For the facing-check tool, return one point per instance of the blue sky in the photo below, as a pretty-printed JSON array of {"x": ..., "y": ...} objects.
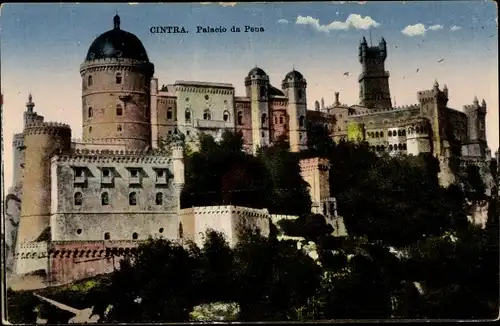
[{"x": 42, "y": 46}]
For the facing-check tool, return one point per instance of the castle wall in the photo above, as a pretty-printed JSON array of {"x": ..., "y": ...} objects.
[
  {"x": 211, "y": 107},
  {"x": 226, "y": 219},
  {"x": 31, "y": 257},
  {"x": 244, "y": 125},
  {"x": 92, "y": 218},
  {"x": 279, "y": 119}
]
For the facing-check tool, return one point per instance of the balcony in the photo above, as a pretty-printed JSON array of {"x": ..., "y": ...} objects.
[
  {"x": 80, "y": 179},
  {"x": 107, "y": 180}
]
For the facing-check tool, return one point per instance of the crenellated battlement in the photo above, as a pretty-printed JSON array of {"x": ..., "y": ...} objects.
[
  {"x": 105, "y": 63},
  {"x": 217, "y": 210},
  {"x": 48, "y": 128},
  {"x": 113, "y": 156},
  {"x": 368, "y": 112},
  {"x": 99, "y": 141},
  {"x": 18, "y": 140}
]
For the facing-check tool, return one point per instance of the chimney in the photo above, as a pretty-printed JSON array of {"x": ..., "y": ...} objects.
[{"x": 337, "y": 98}]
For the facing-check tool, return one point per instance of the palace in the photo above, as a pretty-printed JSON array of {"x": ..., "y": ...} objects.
[{"x": 81, "y": 203}]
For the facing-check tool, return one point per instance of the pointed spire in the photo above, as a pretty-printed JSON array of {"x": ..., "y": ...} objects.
[
  {"x": 483, "y": 102},
  {"x": 116, "y": 21},
  {"x": 436, "y": 85},
  {"x": 476, "y": 101},
  {"x": 30, "y": 104},
  {"x": 383, "y": 41},
  {"x": 363, "y": 41},
  {"x": 445, "y": 88}
]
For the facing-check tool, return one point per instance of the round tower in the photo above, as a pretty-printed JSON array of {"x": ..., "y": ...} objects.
[
  {"x": 116, "y": 77},
  {"x": 294, "y": 85},
  {"x": 257, "y": 87},
  {"x": 418, "y": 137},
  {"x": 42, "y": 141}
]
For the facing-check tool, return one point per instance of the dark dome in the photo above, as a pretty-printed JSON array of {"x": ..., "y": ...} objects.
[
  {"x": 294, "y": 74},
  {"x": 117, "y": 43},
  {"x": 274, "y": 91},
  {"x": 257, "y": 71}
]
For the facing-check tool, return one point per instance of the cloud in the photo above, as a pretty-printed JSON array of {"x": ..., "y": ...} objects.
[
  {"x": 282, "y": 21},
  {"x": 419, "y": 29},
  {"x": 133, "y": 3},
  {"x": 353, "y": 21},
  {"x": 455, "y": 28}
]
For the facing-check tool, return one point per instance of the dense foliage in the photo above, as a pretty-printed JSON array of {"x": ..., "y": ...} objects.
[{"x": 411, "y": 251}]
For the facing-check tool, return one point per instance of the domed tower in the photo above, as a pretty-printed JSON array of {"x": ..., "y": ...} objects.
[
  {"x": 257, "y": 87},
  {"x": 116, "y": 78},
  {"x": 42, "y": 141},
  {"x": 294, "y": 85}
]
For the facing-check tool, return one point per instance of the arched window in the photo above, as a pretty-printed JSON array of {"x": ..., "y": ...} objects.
[
  {"x": 89, "y": 81},
  {"x": 299, "y": 94},
  {"x": 104, "y": 199},
  {"x": 118, "y": 78},
  {"x": 170, "y": 114},
  {"x": 404, "y": 147},
  {"x": 187, "y": 116},
  {"x": 378, "y": 148},
  {"x": 281, "y": 119},
  {"x": 263, "y": 120},
  {"x": 91, "y": 112},
  {"x": 78, "y": 199},
  {"x": 206, "y": 115},
  {"x": 119, "y": 128},
  {"x": 132, "y": 199},
  {"x": 119, "y": 110},
  {"x": 381, "y": 134},
  {"x": 107, "y": 236},
  {"x": 389, "y": 133},
  {"x": 376, "y": 134},
  {"x": 400, "y": 146},
  {"x": 135, "y": 236},
  {"x": 90, "y": 130},
  {"x": 225, "y": 115},
  {"x": 159, "y": 198},
  {"x": 390, "y": 146},
  {"x": 240, "y": 118},
  {"x": 301, "y": 121}
]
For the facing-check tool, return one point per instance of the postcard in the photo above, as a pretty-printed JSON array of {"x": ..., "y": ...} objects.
[{"x": 224, "y": 161}]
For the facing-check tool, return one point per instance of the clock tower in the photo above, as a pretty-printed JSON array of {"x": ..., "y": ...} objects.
[{"x": 373, "y": 81}]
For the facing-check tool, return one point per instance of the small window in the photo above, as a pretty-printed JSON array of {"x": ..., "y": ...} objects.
[
  {"x": 206, "y": 97},
  {"x": 119, "y": 110},
  {"x": 263, "y": 134},
  {"x": 134, "y": 173},
  {"x": 301, "y": 121},
  {"x": 79, "y": 231},
  {"x": 281, "y": 119},
  {"x": 160, "y": 230},
  {"x": 78, "y": 172},
  {"x": 160, "y": 173},
  {"x": 159, "y": 198},
  {"x": 107, "y": 236},
  {"x": 181, "y": 231},
  {"x": 389, "y": 133},
  {"x": 299, "y": 94},
  {"x": 135, "y": 236},
  {"x": 390, "y": 147},
  {"x": 240, "y": 118},
  {"x": 404, "y": 147},
  {"x": 400, "y": 146},
  {"x": 105, "y": 173},
  {"x": 187, "y": 115},
  {"x": 263, "y": 91},
  {"x": 378, "y": 148},
  {"x": 132, "y": 199},
  {"x": 118, "y": 78},
  {"x": 104, "y": 199},
  {"x": 376, "y": 134},
  {"x": 170, "y": 114},
  {"x": 403, "y": 133},
  {"x": 206, "y": 115},
  {"x": 90, "y": 130},
  {"x": 188, "y": 132},
  {"x": 381, "y": 134},
  {"x": 170, "y": 132},
  {"x": 78, "y": 199},
  {"x": 225, "y": 116},
  {"x": 89, "y": 81},
  {"x": 119, "y": 128},
  {"x": 263, "y": 120},
  {"x": 91, "y": 112},
  {"x": 382, "y": 148}
]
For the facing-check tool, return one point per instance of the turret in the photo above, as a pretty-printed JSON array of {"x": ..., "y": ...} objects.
[
  {"x": 337, "y": 102},
  {"x": 257, "y": 86},
  {"x": 294, "y": 85},
  {"x": 316, "y": 106},
  {"x": 476, "y": 121},
  {"x": 322, "y": 104},
  {"x": 383, "y": 49}
]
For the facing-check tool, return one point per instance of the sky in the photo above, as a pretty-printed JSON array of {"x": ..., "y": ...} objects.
[{"x": 453, "y": 42}]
